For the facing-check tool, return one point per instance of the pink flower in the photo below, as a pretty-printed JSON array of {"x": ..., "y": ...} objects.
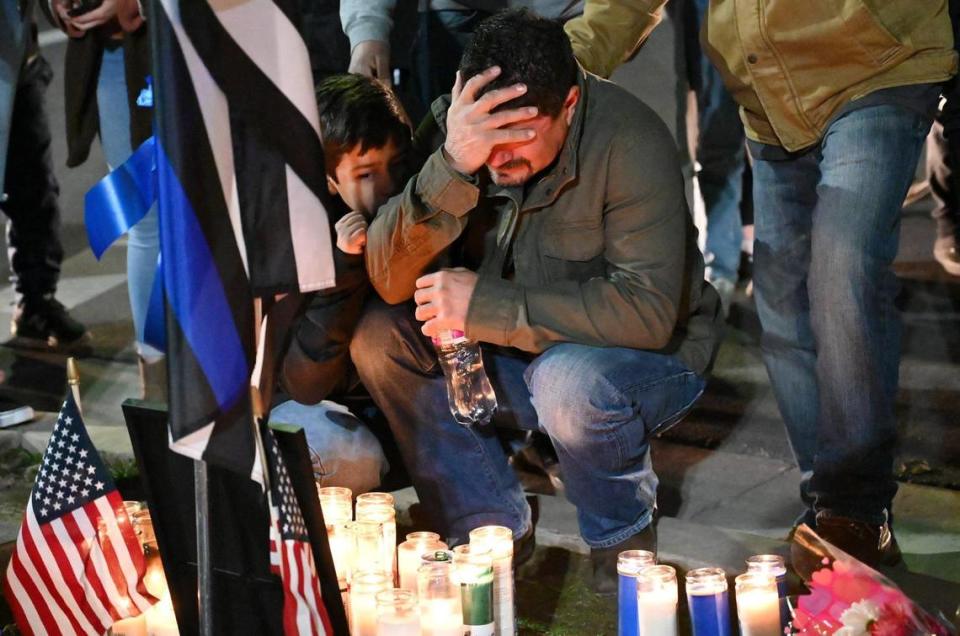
[{"x": 895, "y": 619}]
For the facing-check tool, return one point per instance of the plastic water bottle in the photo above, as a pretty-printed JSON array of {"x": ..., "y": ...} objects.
[{"x": 471, "y": 397}]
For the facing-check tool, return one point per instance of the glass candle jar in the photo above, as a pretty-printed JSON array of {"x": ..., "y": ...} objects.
[
  {"x": 758, "y": 605},
  {"x": 629, "y": 564},
  {"x": 397, "y": 613},
  {"x": 657, "y": 600},
  {"x": 708, "y": 602},
  {"x": 409, "y": 554}
]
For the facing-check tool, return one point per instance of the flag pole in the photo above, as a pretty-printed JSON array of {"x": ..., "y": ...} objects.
[
  {"x": 204, "y": 564},
  {"x": 73, "y": 381}
]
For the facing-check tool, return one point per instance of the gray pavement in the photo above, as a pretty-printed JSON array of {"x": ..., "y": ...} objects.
[{"x": 728, "y": 484}]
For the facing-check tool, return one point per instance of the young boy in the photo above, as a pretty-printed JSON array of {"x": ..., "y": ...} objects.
[{"x": 366, "y": 138}]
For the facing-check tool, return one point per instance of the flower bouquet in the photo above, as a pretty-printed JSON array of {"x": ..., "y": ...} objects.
[{"x": 849, "y": 598}]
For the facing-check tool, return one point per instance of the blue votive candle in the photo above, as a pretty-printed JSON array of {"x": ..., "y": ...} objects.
[
  {"x": 774, "y": 565},
  {"x": 629, "y": 564},
  {"x": 708, "y": 601}
]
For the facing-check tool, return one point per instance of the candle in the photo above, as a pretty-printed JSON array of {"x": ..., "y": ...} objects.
[
  {"x": 161, "y": 620},
  {"x": 629, "y": 564},
  {"x": 657, "y": 600},
  {"x": 409, "y": 553},
  {"x": 499, "y": 540},
  {"x": 473, "y": 570},
  {"x": 336, "y": 504},
  {"x": 440, "y": 612},
  {"x": 134, "y": 626},
  {"x": 378, "y": 507},
  {"x": 385, "y": 517},
  {"x": 341, "y": 540},
  {"x": 709, "y": 602},
  {"x": 368, "y": 554},
  {"x": 131, "y": 626},
  {"x": 397, "y": 613},
  {"x": 773, "y": 565},
  {"x": 154, "y": 579},
  {"x": 758, "y": 606},
  {"x": 363, "y": 602}
]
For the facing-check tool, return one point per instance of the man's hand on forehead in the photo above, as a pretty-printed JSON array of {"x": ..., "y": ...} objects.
[{"x": 474, "y": 127}]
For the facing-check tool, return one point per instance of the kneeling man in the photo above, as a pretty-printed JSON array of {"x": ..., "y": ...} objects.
[{"x": 550, "y": 225}]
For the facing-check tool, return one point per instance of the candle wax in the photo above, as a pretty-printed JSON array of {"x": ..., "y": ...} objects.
[
  {"x": 759, "y": 613},
  {"x": 441, "y": 617},
  {"x": 657, "y": 612},
  {"x": 135, "y": 626},
  {"x": 394, "y": 626}
]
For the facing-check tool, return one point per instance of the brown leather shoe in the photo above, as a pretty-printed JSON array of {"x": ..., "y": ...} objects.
[
  {"x": 604, "y": 560},
  {"x": 872, "y": 544}
]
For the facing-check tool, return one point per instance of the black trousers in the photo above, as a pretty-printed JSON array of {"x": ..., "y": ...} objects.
[{"x": 32, "y": 191}]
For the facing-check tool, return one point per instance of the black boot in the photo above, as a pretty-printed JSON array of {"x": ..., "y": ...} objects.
[
  {"x": 604, "y": 560},
  {"x": 43, "y": 322}
]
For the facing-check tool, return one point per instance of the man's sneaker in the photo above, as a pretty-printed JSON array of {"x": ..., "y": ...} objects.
[
  {"x": 870, "y": 543},
  {"x": 44, "y": 322},
  {"x": 604, "y": 560},
  {"x": 13, "y": 413}
]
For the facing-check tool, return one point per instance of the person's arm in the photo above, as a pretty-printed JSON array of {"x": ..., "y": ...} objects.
[
  {"x": 318, "y": 357},
  {"x": 412, "y": 229},
  {"x": 367, "y": 24},
  {"x": 609, "y": 31},
  {"x": 636, "y": 303}
]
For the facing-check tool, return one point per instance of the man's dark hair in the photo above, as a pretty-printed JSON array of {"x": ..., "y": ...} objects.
[
  {"x": 357, "y": 110},
  {"x": 528, "y": 49}
]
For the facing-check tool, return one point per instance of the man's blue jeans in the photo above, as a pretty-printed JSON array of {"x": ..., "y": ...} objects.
[
  {"x": 598, "y": 405},
  {"x": 827, "y": 229}
]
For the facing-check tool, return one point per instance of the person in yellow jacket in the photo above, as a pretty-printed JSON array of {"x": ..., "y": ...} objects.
[{"x": 836, "y": 97}]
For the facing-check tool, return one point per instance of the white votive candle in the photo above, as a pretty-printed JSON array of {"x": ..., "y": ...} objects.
[
  {"x": 336, "y": 503},
  {"x": 397, "y": 613},
  {"x": 134, "y": 626},
  {"x": 440, "y": 610},
  {"x": 363, "y": 602},
  {"x": 377, "y": 507},
  {"x": 161, "y": 620},
  {"x": 409, "y": 554},
  {"x": 441, "y": 617},
  {"x": 758, "y": 604},
  {"x": 657, "y": 601}
]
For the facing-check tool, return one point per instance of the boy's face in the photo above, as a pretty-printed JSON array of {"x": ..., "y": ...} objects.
[{"x": 365, "y": 181}]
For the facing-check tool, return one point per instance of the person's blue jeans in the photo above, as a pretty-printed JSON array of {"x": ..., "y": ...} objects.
[
  {"x": 143, "y": 239},
  {"x": 599, "y": 407},
  {"x": 827, "y": 229},
  {"x": 721, "y": 155}
]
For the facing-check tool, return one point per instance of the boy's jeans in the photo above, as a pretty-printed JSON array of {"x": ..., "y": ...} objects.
[
  {"x": 827, "y": 228},
  {"x": 598, "y": 405}
]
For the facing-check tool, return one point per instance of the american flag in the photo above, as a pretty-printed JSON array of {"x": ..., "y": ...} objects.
[
  {"x": 291, "y": 556},
  {"x": 78, "y": 565},
  {"x": 242, "y": 200}
]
